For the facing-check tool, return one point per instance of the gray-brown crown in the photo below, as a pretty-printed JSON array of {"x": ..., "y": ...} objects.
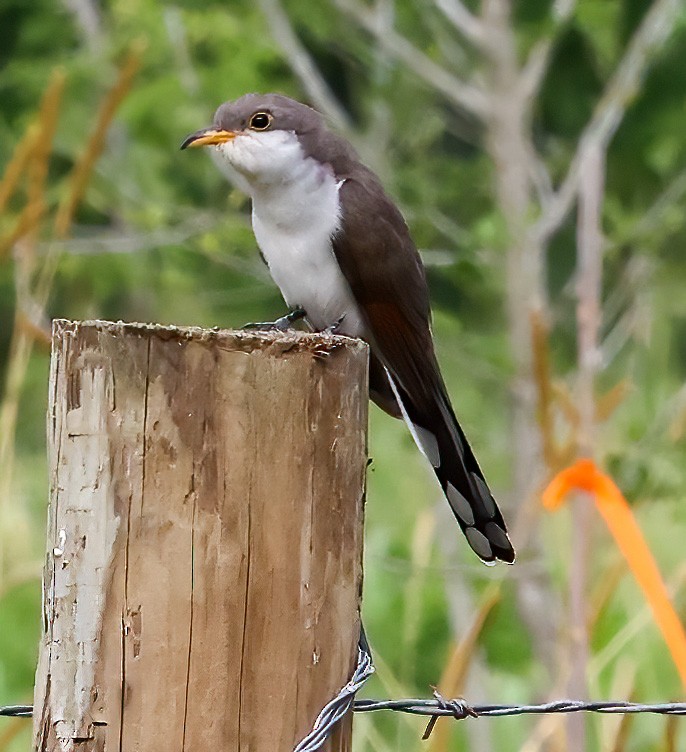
[
  {"x": 316, "y": 139},
  {"x": 287, "y": 114}
]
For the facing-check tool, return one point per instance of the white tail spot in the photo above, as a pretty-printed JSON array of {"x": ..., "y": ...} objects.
[
  {"x": 485, "y": 495},
  {"x": 479, "y": 542},
  {"x": 497, "y": 535},
  {"x": 423, "y": 438},
  {"x": 459, "y": 504}
]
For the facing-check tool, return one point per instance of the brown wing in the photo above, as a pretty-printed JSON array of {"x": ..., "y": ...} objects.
[{"x": 378, "y": 258}]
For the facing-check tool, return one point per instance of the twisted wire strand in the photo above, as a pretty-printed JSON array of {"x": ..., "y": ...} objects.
[
  {"x": 334, "y": 710},
  {"x": 459, "y": 709},
  {"x": 438, "y": 707}
]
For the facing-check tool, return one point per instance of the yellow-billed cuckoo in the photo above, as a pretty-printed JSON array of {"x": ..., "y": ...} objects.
[{"x": 339, "y": 248}]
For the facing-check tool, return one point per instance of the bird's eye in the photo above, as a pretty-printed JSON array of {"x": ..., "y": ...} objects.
[{"x": 260, "y": 121}]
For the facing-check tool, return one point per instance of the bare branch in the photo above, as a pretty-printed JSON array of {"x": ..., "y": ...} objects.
[
  {"x": 129, "y": 241},
  {"x": 464, "y": 95},
  {"x": 88, "y": 20},
  {"x": 536, "y": 66},
  {"x": 540, "y": 176},
  {"x": 644, "y": 47},
  {"x": 563, "y": 9},
  {"x": 538, "y": 61},
  {"x": 651, "y": 224},
  {"x": 590, "y": 244},
  {"x": 464, "y": 21},
  {"x": 302, "y": 65},
  {"x": 176, "y": 31}
]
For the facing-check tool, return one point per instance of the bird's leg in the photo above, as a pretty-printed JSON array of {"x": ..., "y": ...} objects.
[{"x": 282, "y": 323}]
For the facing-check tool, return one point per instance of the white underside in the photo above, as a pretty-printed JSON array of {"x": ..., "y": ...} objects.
[
  {"x": 303, "y": 265},
  {"x": 293, "y": 226},
  {"x": 295, "y": 214}
]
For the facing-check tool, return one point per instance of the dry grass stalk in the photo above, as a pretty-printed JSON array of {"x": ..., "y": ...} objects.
[
  {"x": 422, "y": 547},
  {"x": 22, "y": 340},
  {"x": 33, "y": 154},
  {"x": 553, "y": 395},
  {"x": 606, "y": 588},
  {"x": 392, "y": 686},
  {"x": 554, "y": 455},
  {"x": 20, "y": 351},
  {"x": 96, "y": 143},
  {"x": 622, "y": 737},
  {"x": 31, "y": 300},
  {"x": 671, "y": 734},
  {"x": 12, "y": 730},
  {"x": 40, "y": 335},
  {"x": 455, "y": 673},
  {"x": 544, "y": 387},
  {"x": 15, "y": 167},
  {"x": 548, "y": 734},
  {"x": 28, "y": 222},
  {"x": 613, "y": 729},
  {"x": 40, "y": 159},
  {"x": 607, "y": 403}
]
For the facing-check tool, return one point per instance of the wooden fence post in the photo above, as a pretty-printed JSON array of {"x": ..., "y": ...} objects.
[{"x": 204, "y": 560}]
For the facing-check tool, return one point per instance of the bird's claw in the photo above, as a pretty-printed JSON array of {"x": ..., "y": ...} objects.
[
  {"x": 282, "y": 324},
  {"x": 335, "y": 327}
]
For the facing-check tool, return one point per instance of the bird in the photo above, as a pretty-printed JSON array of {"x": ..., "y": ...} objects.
[{"x": 343, "y": 258}]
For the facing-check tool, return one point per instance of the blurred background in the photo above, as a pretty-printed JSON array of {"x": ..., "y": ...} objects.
[{"x": 538, "y": 151}]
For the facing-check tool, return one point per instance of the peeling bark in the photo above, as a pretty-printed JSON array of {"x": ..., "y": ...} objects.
[{"x": 203, "y": 567}]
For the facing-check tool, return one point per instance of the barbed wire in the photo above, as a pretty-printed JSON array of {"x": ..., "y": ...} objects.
[
  {"x": 436, "y": 708},
  {"x": 459, "y": 709},
  {"x": 16, "y": 711},
  {"x": 333, "y": 711}
]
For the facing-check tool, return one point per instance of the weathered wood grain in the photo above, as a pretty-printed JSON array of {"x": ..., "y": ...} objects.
[{"x": 203, "y": 569}]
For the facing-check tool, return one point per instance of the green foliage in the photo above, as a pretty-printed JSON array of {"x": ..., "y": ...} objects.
[{"x": 19, "y": 650}]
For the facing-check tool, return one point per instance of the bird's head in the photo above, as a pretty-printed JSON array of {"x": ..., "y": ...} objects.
[{"x": 260, "y": 135}]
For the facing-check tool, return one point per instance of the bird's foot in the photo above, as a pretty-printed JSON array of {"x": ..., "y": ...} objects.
[
  {"x": 334, "y": 328},
  {"x": 281, "y": 324}
]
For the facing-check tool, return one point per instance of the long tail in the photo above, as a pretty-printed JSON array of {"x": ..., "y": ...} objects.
[{"x": 440, "y": 438}]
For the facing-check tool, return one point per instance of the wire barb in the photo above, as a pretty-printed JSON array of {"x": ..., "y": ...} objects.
[{"x": 457, "y": 708}]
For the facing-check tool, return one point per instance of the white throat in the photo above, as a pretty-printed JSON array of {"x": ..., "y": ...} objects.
[{"x": 296, "y": 212}]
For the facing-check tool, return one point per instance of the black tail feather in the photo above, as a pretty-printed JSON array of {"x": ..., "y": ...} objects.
[{"x": 440, "y": 437}]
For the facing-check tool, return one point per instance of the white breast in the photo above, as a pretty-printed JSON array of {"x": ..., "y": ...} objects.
[{"x": 294, "y": 221}]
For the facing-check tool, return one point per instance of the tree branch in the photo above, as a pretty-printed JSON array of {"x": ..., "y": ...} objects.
[
  {"x": 590, "y": 243},
  {"x": 89, "y": 21},
  {"x": 464, "y": 21},
  {"x": 538, "y": 61},
  {"x": 540, "y": 176},
  {"x": 651, "y": 224},
  {"x": 176, "y": 31},
  {"x": 465, "y": 96},
  {"x": 643, "y": 48},
  {"x": 302, "y": 65}
]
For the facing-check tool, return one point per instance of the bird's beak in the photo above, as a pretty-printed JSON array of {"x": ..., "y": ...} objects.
[{"x": 208, "y": 136}]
